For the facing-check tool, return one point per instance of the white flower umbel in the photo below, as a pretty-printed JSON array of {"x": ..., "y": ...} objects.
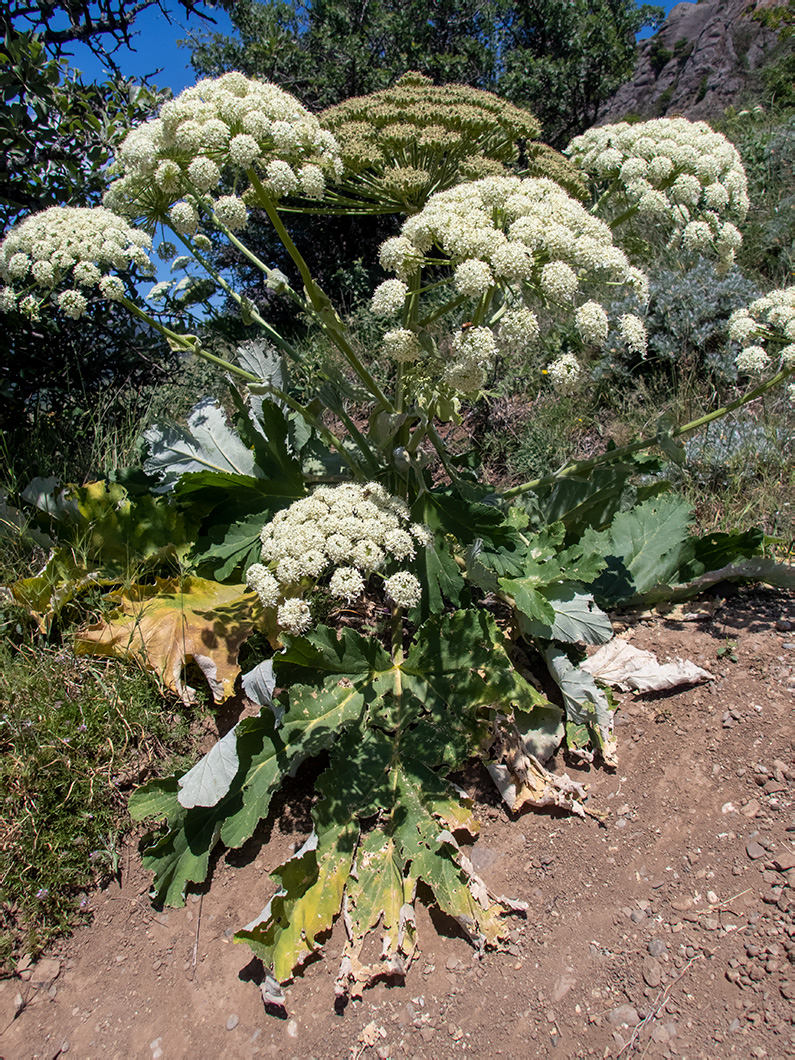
[
  {"x": 222, "y": 125},
  {"x": 670, "y": 169},
  {"x": 294, "y": 616},
  {"x": 753, "y": 360},
  {"x": 345, "y": 533},
  {"x": 633, "y": 332},
  {"x": 592, "y": 323},
  {"x": 71, "y": 246},
  {"x": 524, "y": 243},
  {"x": 403, "y": 589},
  {"x": 401, "y": 346},
  {"x": 770, "y": 319},
  {"x": 565, "y": 374},
  {"x": 389, "y": 298}
]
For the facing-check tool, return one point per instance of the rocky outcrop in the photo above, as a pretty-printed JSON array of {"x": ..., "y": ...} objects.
[{"x": 705, "y": 57}]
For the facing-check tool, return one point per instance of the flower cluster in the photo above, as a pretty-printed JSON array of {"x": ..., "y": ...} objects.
[
  {"x": 231, "y": 122},
  {"x": 565, "y": 374},
  {"x": 526, "y": 238},
  {"x": 674, "y": 171},
  {"x": 416, "y": 138},
  {"x": 67, "y": 245},
  {"x": 766, "y": 332},
  {"x": 345, "y": 533}
]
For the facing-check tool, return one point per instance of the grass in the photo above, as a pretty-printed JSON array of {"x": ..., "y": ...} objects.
[{"x": 75, "y": 735}]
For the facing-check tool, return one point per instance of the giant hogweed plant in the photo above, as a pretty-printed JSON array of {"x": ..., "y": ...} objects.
[{"x": 405, "y": 600}]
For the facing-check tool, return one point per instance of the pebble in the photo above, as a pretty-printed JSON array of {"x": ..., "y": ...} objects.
[
  {"x": 624, "y": 1014},
  {"x": 232, "y": 1022},
  {"x": 652, "y": 973},
  {"x": 754, "y": 850},
  {"x": 46, "y": 971},
  {"x": 656, "y": 947}
]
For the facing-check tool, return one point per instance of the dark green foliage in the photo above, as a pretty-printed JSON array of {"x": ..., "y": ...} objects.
[
  {"x": 559, "y": 60},
  {"x": 659, "y": 56}
]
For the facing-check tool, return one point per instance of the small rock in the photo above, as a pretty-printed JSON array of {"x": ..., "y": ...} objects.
[
  {"x": 624, "y": 1015},
  {"x": 292, "y": 1029},
  {"x": 734, "y": 1026},
  {"x": 660, "y": 1034},
  {"x": 712, "y": 898},
  {"x": 652, "y": 973},
  {"x": 751, "y": 808},
  {"x": 232, "y": 1022},
  {"x": 65, "y": 1045},
  {"x": 710, "y": 923},
  {"x": 427, "y": 1033},
  {"x": 637, "y": 916},
  {"x": 46, "y": 971},
  {"x": 656, "y": 947},
  {"x": 754, "y": 850}
]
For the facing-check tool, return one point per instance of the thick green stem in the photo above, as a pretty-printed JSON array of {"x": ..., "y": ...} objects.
[
  {"x": 319, "y": 301},
  {"x": 272, "y": 334},
  {"x": 612, "y": 455},
  {"x": 397, "y": 643},
  {"x": 188, "y": 343}
]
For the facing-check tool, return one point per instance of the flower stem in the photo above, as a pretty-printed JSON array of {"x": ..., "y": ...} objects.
[
  {"x": 611, "y": 455},
  {"x": 188, "y": 343},
  {"x": 319, "y": 301},
  {"x": 272, "y": 334}
]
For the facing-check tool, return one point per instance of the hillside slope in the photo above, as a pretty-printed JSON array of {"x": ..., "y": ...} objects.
[{"x": 705, "y": 57}]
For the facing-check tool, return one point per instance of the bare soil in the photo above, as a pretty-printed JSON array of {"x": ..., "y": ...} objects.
[{"x": 669, "y": 931}]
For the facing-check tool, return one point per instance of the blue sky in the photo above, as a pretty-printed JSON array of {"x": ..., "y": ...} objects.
[
  {"x": 155, "y": 42},
  {"x": 156, "y": 48}
]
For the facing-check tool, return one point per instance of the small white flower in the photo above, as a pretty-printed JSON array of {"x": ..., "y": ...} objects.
[
  {"x": 8, "y": 299},
  {"x": 400, "y": 544},
  {"x": 346, "y": 584},
  {"x": 184, "y": 218},
  {"x": 86, "y": 273},
  {"x": 232, "y": 212},
  {"x": 73, "y": 303},
  {"x": 401, "y": 346},
  {"x": 473, "y": 278},
  {"x": 294, "y": 616},
  {"x": 389, "y": 298},
  {"x": 403, "y": 589},
  {"x": 281, "y": 179},
  {"x": 112, "y": 288},
  {"x": 559, "y": 281},
  {"x": 565, "y": 374},
  {"x": 633, "y": 332},
  {"x": 753, "y": 360},
  {"x": 243, "y": 150},
  {"x": 260, "y": 579},
  {"x": 313, "y": 183},
  {"x": 519, "y": 330},
  {"x": 592, "y": 323},
  {"x": 204, "y": 173}
]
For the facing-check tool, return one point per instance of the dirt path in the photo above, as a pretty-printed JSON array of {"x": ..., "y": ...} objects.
[{"x": 668, "y": 933}]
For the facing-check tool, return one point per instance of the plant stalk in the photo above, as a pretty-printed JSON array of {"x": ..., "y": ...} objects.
[{"x": 646, "y": 443}]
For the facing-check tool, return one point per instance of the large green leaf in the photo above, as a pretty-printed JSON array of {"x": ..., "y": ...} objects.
[
  {"x": 412, "y": 841},
  {"x": 643, "y": 548},
  {"x": 206, "y": 443},
  {"x": 575, "y": 617},
  {"x": 586, "y": 704},
  {"x": 265, "y": 756}
]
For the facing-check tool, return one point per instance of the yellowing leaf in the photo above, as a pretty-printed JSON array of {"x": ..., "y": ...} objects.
[{"x": 177, "y": 621}]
